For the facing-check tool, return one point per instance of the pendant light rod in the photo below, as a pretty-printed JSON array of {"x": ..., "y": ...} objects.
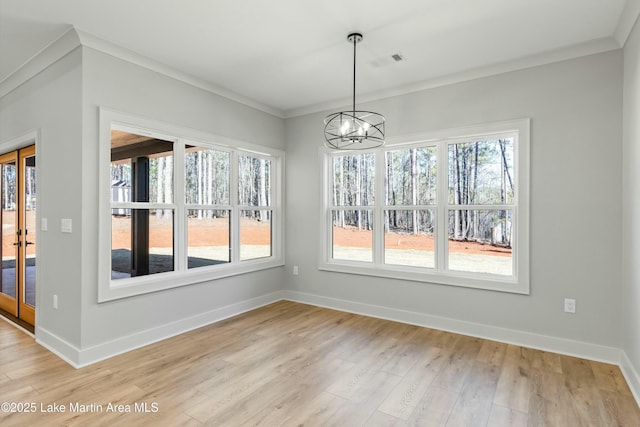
[{"x": 354, "y": 38}]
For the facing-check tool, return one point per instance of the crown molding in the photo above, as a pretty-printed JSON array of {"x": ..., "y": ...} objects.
[
  {"x": 74, "y": 37},
  {"x": 575, "y": 51},
  {"x": 109, "y": 48},
  {"x": 48, "y": 55},
  {"x": 627, "y": 21}
]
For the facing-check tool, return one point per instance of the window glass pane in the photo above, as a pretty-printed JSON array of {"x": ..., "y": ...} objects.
[
  {"x": 141, "y": 168},
  {"x": 120, "y": 243},
  {"x": 411, "y": 176},
  {"x": 481, "y": 172},
  {"x": 141, "y": 242},
  {"x": 353, "y": 180},
  {"x": 480, "y": 241},
  {"x": 254, "y": 181},
  {"x": 9, "y": 191},
  {"x": 208, "y": 237},
  {"x": 161, "y": 178},
  {"x": 121, "y": 181},
  {"x": 409, "y": 238},
  {"x": 352, "y": 235},
  {"x": 206, "y": 176},
  {"x": 255, "y": 234}
]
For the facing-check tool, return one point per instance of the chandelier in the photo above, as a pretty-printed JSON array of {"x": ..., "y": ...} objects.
[{"x": 354, "y": 129}]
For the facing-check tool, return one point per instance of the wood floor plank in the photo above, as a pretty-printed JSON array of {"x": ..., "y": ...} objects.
[
  {"x": 622, "y": 408},
  {"x": 458, "y": 364},
  {"x": 365, "y": 400},
  {"x": 514, "y": 385},
  {"x": 434, "y": 408},
  {"x": 380, "y": 419},
  {"x": 550, "y": 401},
  {"x": 502, "y": 417},
  {"x": 296, "y": 364},
  {"x": 301, "y": 385},
  {"x": 609, "y": 378},
  {"x": 580, "y": 381},
  {"x": 492, "y": 353},
  {"x": 474, "y": 404},
  {"x": 407, "y": 395},
  {"x": 317, "y": 411}
]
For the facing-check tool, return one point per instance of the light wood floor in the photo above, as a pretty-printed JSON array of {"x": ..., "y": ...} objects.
[{"x": 293, "y": 364}]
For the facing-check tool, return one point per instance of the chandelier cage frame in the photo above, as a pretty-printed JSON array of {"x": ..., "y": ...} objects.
[{"x": 354, "y": 129}]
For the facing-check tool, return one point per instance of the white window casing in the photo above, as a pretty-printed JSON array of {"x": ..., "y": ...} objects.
[
  {"x": 109, "y": 289},
  {"x": 516, "y": 282}
]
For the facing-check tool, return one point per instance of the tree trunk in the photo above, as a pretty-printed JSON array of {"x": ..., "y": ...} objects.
[
  {"x": 160, "y": 185},
  {"x": 263, "y": 189},
  {"x": 414, "y": 188},
  {"x": 457, "y": 192},
  {"x": 168, "y": 185},
  {"x": 358, "y": 191},
  {"x": 476, "y": 231},
  {"x": 200, "y": 178}
]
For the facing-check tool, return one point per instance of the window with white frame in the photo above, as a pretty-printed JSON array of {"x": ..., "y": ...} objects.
[
  {"x": 448, "y": 208},
  {"x": 183, "y": 207}
]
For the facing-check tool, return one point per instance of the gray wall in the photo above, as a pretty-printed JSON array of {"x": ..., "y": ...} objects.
[
  {"x": 62, "y": 103},
  {"x": 51, "y": 102},
  {"x": 125, "y": 87},
  {"x": 576, "y": 156},
  {"x": 631, "y": 202}
]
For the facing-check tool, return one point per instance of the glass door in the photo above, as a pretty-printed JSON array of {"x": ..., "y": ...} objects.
[
  {"x": 10, "y": 237},
  {"x": 18, "y": 220},
  {"x": 27, "y": 226}
]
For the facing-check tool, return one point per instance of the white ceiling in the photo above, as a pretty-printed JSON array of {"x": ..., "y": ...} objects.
[{"x": 292, "y": 55}]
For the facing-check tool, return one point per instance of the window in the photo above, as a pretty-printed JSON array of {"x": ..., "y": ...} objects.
[
  {"x": 142, "y": 205},
  {"x": 183, "y": 207},
  {"x": 255, "y": 207},
  {"x": 352, "y": 202},
  {"x": 448, "y": 208},
  {"x": 208, "y": 203}
]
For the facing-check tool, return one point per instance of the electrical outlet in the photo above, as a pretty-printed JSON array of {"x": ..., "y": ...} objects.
[
  {"x": 295, "y": 270},
  {"x": 569, "y": 305}
]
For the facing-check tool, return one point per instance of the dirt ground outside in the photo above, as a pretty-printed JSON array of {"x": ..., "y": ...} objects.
[
  {"x": 202, "y": 232},
  {"x": 208, "y": 238},
  {"x": 215, "y": 232},
  {"x": 352, "y": 237}
]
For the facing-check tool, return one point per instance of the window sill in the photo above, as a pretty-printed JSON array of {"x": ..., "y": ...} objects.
[
  {"x": 124, "y": 288},
  {"x": 488, "y": 282}
]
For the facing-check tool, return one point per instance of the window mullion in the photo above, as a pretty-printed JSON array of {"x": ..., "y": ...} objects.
[
  {"x": 328, "y": 207},
  {"x": 378, "y": 209},
  {"x": 442, "y": 190},
  {"x": 235, "y": 210},
  {"x": 180, "y": 215}
]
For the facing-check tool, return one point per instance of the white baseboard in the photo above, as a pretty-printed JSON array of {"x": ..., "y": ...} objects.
[
  {"x": 510, "y": 336},
  {"x": 631, "y": 375},
  {"x": 79, "y": 358},
  {"x": 58, "y": 346}
]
